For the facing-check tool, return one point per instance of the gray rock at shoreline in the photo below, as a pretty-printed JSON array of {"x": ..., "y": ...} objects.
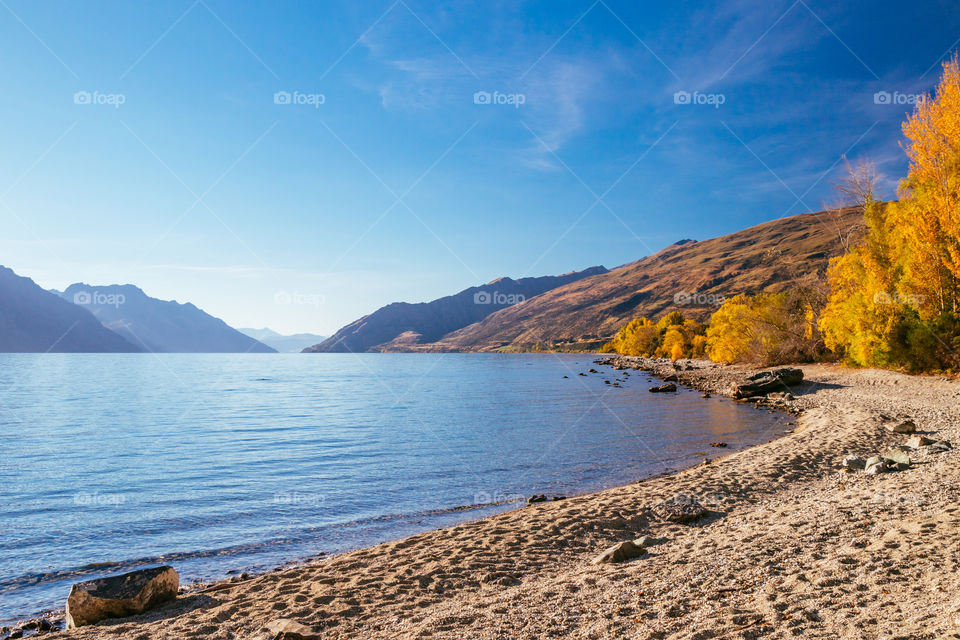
[
  {"x": 120, "y": 596},
  {"x": 669, "y": 387}
]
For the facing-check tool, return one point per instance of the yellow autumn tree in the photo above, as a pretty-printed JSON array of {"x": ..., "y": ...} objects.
[
  {"x": 930, "y": 196},
  {"x": 863, "y": 311},
  {"x": 893, "y": 298},
  {"x": 636, "y": 338},
  {"x": 673, "y": 336},
  {"x": 767, "y": 328}
]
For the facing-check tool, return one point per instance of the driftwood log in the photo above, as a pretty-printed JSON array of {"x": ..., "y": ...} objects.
[{"x": 768, "y": 381}]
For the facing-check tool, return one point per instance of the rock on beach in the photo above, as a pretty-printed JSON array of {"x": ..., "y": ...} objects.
[{"x": 120, "y": 596}]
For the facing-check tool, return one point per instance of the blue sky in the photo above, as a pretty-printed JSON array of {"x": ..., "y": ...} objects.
[{"x": 146, "y": 142}]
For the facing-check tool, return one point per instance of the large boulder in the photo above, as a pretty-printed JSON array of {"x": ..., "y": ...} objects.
[
  {"x": 768, "y": 381},
  {"x": 120, "y": 596}
]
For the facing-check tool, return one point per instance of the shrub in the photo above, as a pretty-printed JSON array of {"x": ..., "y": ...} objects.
[
  {"x": 672, "y": 337},
  {"x": 767, "y": 328}
]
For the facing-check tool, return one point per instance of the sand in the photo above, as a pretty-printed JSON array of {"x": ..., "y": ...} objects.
[{"x": 793, "y": 547}]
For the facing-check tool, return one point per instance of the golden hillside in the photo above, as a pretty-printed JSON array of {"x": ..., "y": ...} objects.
[{"x": 689, "y": 276}]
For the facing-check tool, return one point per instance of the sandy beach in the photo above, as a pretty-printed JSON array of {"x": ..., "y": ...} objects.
[{"x": 792, "y": 546}]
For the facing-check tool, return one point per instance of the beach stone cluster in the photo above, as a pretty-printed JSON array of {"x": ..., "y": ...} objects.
[{"x": 896, "y": 458}]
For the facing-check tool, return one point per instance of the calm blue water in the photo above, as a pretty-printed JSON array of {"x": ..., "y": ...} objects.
[{"x": 227, "y": 462}]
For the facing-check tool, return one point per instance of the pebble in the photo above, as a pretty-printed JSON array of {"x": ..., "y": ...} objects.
[
  {"x": 904, "y": 426},
  {"x": 915, "y": 442},
  {"x": 854, "y": 463}
]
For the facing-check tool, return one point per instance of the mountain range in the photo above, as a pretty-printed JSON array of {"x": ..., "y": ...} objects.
[
  {"x": 574, "y": 311},
  {"x": 402, "y": 326},
  {"x": 33, "y": 320},
  {"x": 294, "y": 343},
  {"x": 690, "y": 276},
  {"x": 159, "y": 326}
]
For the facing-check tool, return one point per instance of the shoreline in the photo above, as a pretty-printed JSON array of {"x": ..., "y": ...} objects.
[
  {"x": 483, "y": 578},
  {"x": 53, "y": 618}
]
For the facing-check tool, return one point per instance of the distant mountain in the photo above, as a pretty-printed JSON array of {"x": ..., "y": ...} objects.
[
  {"x": 693, "y": 277},
  {"x": 159, "y": 326},
  {"x": 403, "y": 326},
  {"x": 33, "y": 320},
  {"x": 294, "y": 343}
]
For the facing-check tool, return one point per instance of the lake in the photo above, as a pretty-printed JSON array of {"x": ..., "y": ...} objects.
[{"x": 221, "y": 463}]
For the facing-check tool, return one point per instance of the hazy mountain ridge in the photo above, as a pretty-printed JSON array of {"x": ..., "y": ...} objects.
[
  {"x": 293, "y": 343},
  {"x": 403, "y": 326},
  {"x": 33, "y": 320},
  {"x": 159, "y": 326}
]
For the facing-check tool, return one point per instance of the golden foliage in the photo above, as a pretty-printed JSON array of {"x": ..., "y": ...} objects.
[
  {"x": 893, "y": 298},
  {"x": 672, "y": 337},
  {"x": 767, "y": 328}
]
